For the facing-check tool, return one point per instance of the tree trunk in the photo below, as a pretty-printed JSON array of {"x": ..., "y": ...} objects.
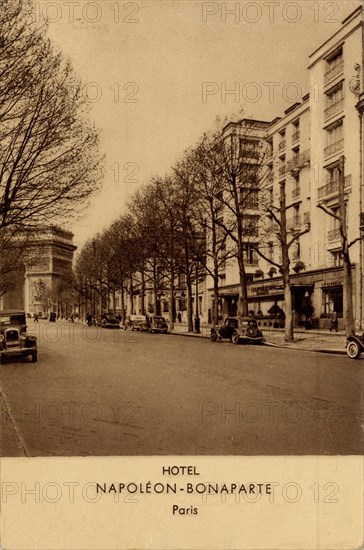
[
  {"x": 155, "y": 290},
  {"x": 189, "y": 290},
  {"x": 347, "y": 282},
  {"x": 215, "y": 309},
  {"x": 288, "y": 325},
  {"x": 131, "y": 296},
  {"x": 142, "y": 296},
  {"x": 122, "y": 301},
  {"x": 243, "y": 301},
  {"x": 171, "y": 300}
]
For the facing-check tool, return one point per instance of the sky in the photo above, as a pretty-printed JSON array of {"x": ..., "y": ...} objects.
[{"x": 158, "y": 73}]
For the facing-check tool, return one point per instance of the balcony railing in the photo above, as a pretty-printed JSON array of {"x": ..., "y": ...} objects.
[
  {"x": 250, "y": 230},
  {"x": 295, "y": 136},
  {"x": 251, "y": 153},
  {"x": 332, "y": 187},
  {"x": 299, "y": 161},
  {"x": 282, "y": 144},
  {"x": 307, "y": 218},
  {"x": 333, "y": 235},
  {"x": 334, "y": 148},
  {"x": 296, "y": 192},
  {"x": 294, "y": 222},
  {"x": 333, "y": 73},
  {"x": 334, "y": 108}
]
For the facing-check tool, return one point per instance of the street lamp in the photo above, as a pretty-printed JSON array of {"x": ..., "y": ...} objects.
[{"x": 197, "y": 316}]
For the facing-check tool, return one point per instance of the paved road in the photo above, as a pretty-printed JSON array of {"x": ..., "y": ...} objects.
[{"x": 105, "y": 392}]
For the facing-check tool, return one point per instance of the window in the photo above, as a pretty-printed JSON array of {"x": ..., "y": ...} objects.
[
  {"x": 334, "y": 139},
  {"x": 282, "y": 139},
  {"x": 335, "y": 133},
  {"x": 295, "y": 130},
  {"x": 250, "y": 226},
  {"x": 335, "y": 59},
  {"x": 250, "y": 255},
  {"x": 248, "y": 197},
  {"x": 337, "y": 258},
  {"x": 334, "y": 101}
]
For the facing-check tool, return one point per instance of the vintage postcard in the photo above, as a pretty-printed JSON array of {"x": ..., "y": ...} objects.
[{"x": 181, "y": 274}]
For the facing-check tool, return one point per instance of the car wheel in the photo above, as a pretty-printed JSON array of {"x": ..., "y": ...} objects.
[
  {"x": 235, "y": 337},
  {"x": 213, "y": 336},
  {"x": 252, "y": 332},
  {"x": 353, "y": 350},
  {"x": 34, "y": 357}
]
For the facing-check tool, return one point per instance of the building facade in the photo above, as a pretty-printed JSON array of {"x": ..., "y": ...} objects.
[
  {"x": 306, "y": 145},
  {"x": 47, "y": 261}
]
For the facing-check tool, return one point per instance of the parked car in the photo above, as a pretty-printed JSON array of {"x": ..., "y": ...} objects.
[
  {"x": 238, "y": 329},
  {"x": 14, "y": 340},
  {"x": 133, "y": 322},
  {"x": 109, "y": 321},
  {"x": 354, "y": 346},
  {"x": 154, "y": 323}
]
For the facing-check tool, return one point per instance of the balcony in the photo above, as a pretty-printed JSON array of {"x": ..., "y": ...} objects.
[
  {"x": 334, "y": 148},
  {"x": 250, "y": 230},
  {"x": 333, "y": 73},
  {"x": 332, "y": 187},
  {"x": 251, "y": 153},
  {"x": 334, "y": 109},
  {"x": 282, "y": 145},
  {"x": 294, "y": 223},
  {"x": 295, "y": 136},
  {"x": 296, "y": 163},
  {"x": 333, "y": 235},
  {"x": 296, "y": 192}
]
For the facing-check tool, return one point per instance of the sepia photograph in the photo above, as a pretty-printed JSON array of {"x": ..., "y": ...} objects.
[{"x": 182, "y": 242}]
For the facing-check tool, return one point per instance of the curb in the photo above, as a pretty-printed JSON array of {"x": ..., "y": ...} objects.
[
  {"x": 333, "y": 351},
  {"x": 269, "y": 344}
]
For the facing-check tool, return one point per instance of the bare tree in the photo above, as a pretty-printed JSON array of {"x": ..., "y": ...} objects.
[
  {"x": 49, "y": 159},
  {"x": 241, "y": 152},
  {"x": 212, "y": 252}
]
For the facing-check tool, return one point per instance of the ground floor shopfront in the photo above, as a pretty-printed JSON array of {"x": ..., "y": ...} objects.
[{"x": 316, "y": 295}]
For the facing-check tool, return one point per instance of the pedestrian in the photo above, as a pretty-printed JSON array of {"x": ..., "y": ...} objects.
[
  {"x": 89, "y": 319},
  {"x": 334, "y": 322},
  {"x": 35, "y": 318},
  {"x": 179, "y": 317}
]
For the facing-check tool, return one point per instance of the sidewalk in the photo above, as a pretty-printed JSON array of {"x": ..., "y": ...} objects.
[{"x": 309, "y": 340}]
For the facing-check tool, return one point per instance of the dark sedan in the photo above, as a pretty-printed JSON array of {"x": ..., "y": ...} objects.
[
  {"x": 154, "y": 323},
  {"x": 237, "y": 330}
]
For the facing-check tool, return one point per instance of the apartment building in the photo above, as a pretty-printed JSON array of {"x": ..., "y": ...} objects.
[
  {"x": 247, "y": 139},
  {"x": 306, "y": 145}
]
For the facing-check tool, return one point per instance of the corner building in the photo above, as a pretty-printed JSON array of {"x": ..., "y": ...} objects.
[{"x": 306, "y": 145}]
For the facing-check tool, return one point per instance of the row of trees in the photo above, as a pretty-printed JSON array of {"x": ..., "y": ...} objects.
[
  {"x": 49, "y": 156},
  {"x": 202, "y": 214}
]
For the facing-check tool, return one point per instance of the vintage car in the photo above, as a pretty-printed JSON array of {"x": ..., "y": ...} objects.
[
  {"x": 238, "y": 329},
  {"x": 14, "y": 340},
  {"x": 154, "y": 323},
  {"x": 354, "y": 346},
  {"x": 133, "y": 322},
  {"x": 109, "y": 321}
]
